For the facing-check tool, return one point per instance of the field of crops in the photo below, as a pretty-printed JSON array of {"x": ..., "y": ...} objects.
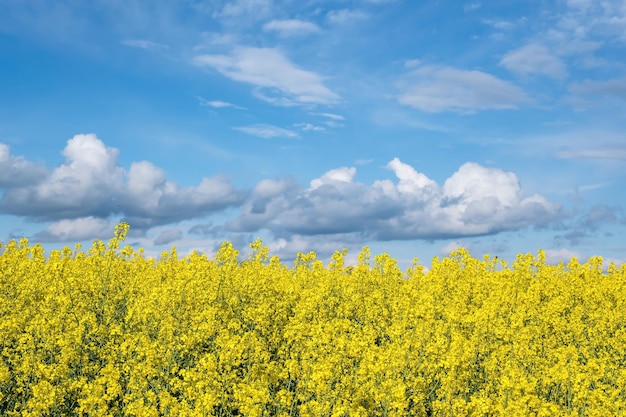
[{"x": 109, "y": 332}]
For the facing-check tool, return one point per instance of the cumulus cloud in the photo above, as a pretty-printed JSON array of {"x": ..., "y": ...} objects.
[
  {"x": 15, "y": 171},
  {"x": 475, "y": 200},
  {"x": 436, "y": 89},
  {"x": 73, "y": 230},
  {"x": 90, "y": 184},
  {"x": 333, "y": 176},
  {"x": 534, "y": 59},
  {"x": 277, "y": 79}
]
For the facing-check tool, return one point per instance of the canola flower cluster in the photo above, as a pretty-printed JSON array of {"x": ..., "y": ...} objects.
[{"x": 109, "y": 332}]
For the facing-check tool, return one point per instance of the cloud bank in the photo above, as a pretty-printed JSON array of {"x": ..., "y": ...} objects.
[
  {"x": 80, "y": 196},
  {"x": 475, "y": 200}
]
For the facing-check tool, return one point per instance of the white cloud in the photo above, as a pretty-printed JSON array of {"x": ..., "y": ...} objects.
[
  {"x": 308, "y": 127},
  {"x": 474, "y": 182},
  {"x": 269, "y": 70},
  {"x": 73, "y": 230},
  {"x": 291, "y": 27},
  {"x": 436, "y": 89},
  {"x": 218, "y": 104},
  {"x": 330, "y": 116},
  {"x": 410, "y": 181},
  {"x": 453, "y": 246},
  {"x": 343, "y": 174},
  {"x": 267, "y": 131},
  {"x": 270, "y": 188},
  {"x": 534, "y": 59},
  {"x": 594, "y": 19},
  {"x": 91, "y": 184},
  {"x": 554, "y": 256}
]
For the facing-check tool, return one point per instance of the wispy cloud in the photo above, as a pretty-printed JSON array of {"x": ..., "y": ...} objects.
[
  {"x": 593, "y": 154},
  {"x": 271, "y": 72},
  {"x": 218, "y": 104},
  {"x": 267, "y": 131},
  {"x": 309, "y": 127},
  {"x": 239, "y": 8},
  {"x": 534, "y": 59},
  {"x": 332, "y": 116},
  {"x": 144, "y": 44},
  {"x": 344, "y": 16},
  {"x": 610, "y": 88},
  {"x": 436, "y": 89},
  {"x": 291, "y": 27},
  {"x": 471, "y": 6}
]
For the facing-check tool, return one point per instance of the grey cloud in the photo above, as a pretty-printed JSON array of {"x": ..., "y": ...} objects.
[
  {"x": 589, "y": 224},
  {"x": 613, "y": 88},
  {"x": 600, "y": 214},
  {"x": 206, "y": 230},
  {"x": 83, "y": 186},
  {"x": 91, "y": 183},
  {"x": 168, "y": 236},
  {"x": 15, "y": 171},
  {"x": 474, "y": 201}
]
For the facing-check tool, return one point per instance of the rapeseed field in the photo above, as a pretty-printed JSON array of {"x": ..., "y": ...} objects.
[{"x": 110, "y": 332}]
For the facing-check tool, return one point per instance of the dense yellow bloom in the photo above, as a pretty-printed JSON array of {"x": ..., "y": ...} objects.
[{"x": 108, "y": 332}]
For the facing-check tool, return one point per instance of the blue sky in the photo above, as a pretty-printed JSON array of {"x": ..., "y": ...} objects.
[{"x": 412, "y": 127}]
